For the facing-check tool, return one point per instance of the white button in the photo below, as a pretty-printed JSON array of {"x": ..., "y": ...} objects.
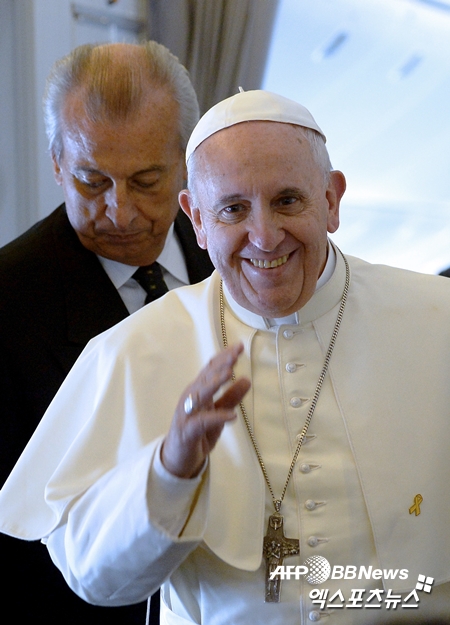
[
  {"x": 295, "y": 402},
  {"x": 314, "y": 616},
  {"x": 291, "y": 367},
  {"x": 307, "y": 439},
  {"x": 305, "y": 468},
  {"x": 310, "y": 504},
  {"x": 288, "y": 334},
  {"x": 313, "y": 541}
]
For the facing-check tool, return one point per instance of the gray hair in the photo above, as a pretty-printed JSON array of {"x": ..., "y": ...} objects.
[
  {"x": 114, "y": 90},
  {"x": 319, "y": 150}
]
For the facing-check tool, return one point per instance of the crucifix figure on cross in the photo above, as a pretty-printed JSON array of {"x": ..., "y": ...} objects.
[{"x": 276, "y": 547}]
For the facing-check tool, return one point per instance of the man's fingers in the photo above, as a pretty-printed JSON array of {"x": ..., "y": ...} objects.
[
  {"x": 207, "y": 423},
  {"x": 216, "y": 373},
  {"x": 234, "y": 394},
  {"x": 198, "y": 420},
  {"x": 184, "y": 453}
]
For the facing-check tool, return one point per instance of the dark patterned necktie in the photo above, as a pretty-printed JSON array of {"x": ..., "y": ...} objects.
[{"x": 151, "y": 280}]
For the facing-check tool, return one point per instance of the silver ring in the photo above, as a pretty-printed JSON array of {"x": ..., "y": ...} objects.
[{"x": 189, "y": 405}]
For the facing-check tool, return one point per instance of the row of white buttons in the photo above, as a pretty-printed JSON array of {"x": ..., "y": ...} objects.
[
  {"x": 291, "y": 367},
  {"x": 310, "y": 504},
  {"x": 296, "y": 402}
]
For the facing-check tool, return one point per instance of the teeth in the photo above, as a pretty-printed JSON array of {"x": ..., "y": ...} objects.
[{"x": 269, "y": 264}]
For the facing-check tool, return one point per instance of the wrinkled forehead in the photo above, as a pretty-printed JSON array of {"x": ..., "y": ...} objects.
[
  {"x": 258, "y": 155},
  {"x": 249, "y": 106}
]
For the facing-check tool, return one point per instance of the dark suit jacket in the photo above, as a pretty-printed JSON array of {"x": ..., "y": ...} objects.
[{"x": 55, "y": 296}]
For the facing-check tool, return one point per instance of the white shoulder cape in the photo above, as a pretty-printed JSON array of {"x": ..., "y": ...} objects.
[{"x": 390, "y": 374}]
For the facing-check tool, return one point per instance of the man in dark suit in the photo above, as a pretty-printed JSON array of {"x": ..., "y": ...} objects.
[{"x": 118, "y": 117}]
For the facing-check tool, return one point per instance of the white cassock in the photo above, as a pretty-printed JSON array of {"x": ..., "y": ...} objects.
[{"x": 90, "y": 482}]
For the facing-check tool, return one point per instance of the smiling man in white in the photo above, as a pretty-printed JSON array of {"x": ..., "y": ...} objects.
[{"x": 296, "y": 393}]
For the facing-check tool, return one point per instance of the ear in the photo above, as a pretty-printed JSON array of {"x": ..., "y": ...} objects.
[
  {"x": 57, "y": 170},
  {"x": 335, "y": 191},
  {"x": 186, "y": 203}
]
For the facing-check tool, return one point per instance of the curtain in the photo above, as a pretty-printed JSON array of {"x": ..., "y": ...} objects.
[{"x": 223, "y": 43}]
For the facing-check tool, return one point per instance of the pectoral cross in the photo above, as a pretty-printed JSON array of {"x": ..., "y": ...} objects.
[{"x": 276, "y": 547}]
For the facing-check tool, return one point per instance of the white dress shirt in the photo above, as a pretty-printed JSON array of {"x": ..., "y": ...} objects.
[{"x": 173, "y": 266}]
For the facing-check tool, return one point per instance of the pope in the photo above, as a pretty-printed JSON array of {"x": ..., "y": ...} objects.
[{"x": 293, "y": 410}]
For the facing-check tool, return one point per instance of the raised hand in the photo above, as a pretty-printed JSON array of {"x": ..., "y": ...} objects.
[{"x": 198, "y": 420}]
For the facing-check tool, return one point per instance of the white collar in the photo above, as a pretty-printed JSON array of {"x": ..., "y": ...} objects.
[{"x": 172, "y": 257}]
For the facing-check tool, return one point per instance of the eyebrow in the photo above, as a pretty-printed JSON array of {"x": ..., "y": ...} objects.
[
  {"x": 149, "y": 170},
  {"x": 226, "y": 199},
  {"x": 91, "y": 170},
  {"x": 229, "y": 199},
  {"x": 291, "y": 190}
]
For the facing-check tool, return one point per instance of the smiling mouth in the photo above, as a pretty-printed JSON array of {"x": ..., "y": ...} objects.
[{"x": 269, "y": 264}]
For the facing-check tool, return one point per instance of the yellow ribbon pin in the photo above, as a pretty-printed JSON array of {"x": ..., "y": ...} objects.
[{"x": 416, "y": 506}]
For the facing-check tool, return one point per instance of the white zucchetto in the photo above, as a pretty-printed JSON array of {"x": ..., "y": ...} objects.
[{"x": 247, "y": 106}]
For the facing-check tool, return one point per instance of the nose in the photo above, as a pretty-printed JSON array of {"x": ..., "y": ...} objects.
[
  {"x": 120, "y": 208},
  {"x": 265, "y": 230}
]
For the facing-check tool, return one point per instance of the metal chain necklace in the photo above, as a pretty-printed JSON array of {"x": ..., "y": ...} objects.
[{"x": 276, "y": 546}]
